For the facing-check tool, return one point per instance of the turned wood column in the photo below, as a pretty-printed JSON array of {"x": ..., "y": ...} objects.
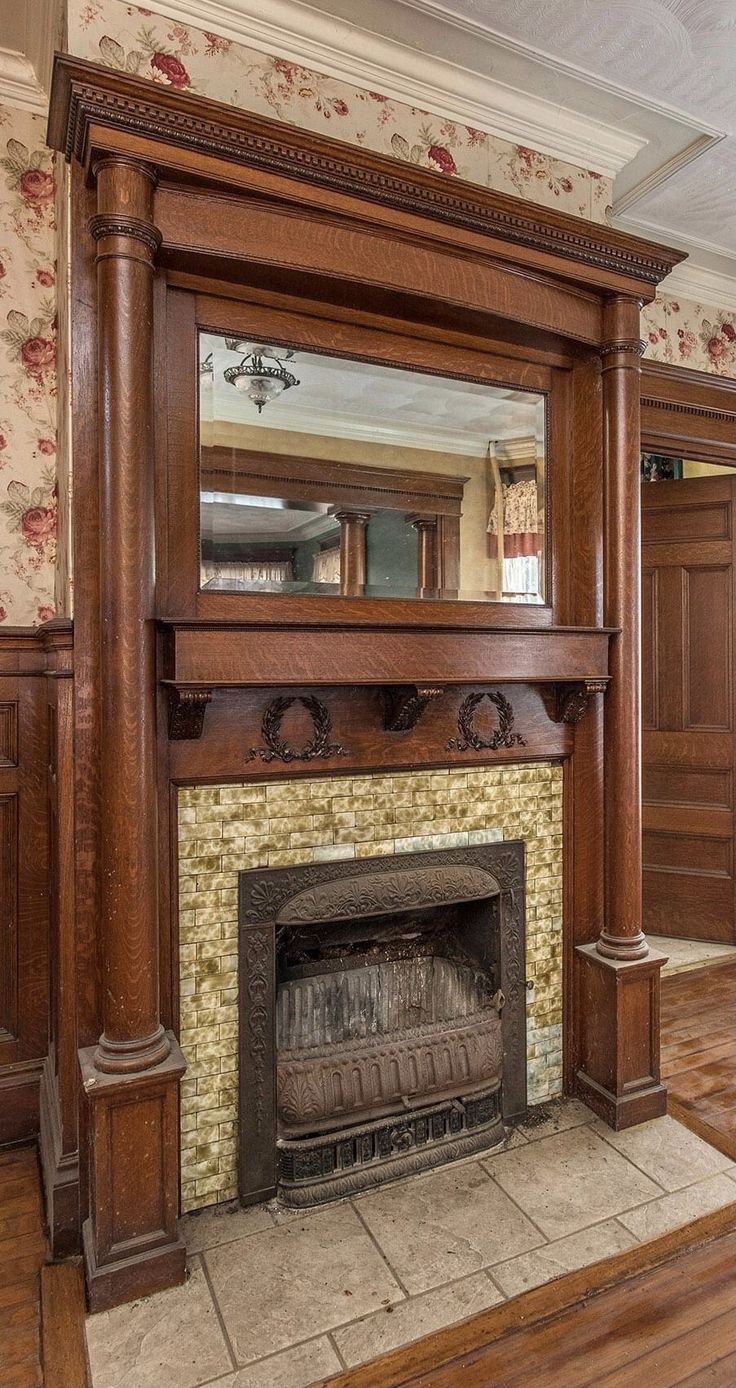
[
  {"x": 133, "y": 1038},
  {"x": 353, "y": 565},
  {"x": 621, "y": 936},
  {"x": 427, "y": 553}
]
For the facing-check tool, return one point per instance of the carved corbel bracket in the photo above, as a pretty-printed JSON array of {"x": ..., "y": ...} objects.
[
  {"x": 404, "y": 704},
  {"x": 569, "y": 703},
  {"x": 187, "y": 708}
]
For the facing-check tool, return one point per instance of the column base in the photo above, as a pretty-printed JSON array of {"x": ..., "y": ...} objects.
[
  {"x": 131, "y": 1242},
  {"x": 618, "y": 1006}
]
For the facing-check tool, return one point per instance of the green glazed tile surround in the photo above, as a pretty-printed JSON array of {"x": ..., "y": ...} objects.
[{"x": 226, "y": 829}]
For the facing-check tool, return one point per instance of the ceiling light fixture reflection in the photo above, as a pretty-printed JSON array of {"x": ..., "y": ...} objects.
[{"x": 262, "y": 375}]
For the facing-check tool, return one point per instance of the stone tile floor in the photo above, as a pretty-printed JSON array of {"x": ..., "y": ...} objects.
[
  {"x": 279, "y": 1299},
  {"x": 683, "y": 955}
]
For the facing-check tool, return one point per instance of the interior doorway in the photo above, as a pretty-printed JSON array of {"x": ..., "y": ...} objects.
[{"x": 688, "y": 668}]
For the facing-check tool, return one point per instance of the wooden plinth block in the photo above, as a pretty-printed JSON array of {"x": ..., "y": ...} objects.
[
  {"x": 131, "y": 1244},
  {"x": 618, "y": 1006}
]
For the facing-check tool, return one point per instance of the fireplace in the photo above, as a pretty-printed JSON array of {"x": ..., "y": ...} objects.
[{"x": 382, "y": 1026}]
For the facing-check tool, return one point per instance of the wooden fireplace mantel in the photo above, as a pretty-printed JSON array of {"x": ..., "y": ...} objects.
[{"x": 188, "y": 216}]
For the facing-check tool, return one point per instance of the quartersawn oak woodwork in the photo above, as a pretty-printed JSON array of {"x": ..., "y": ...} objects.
[{"x": 187, "y": 215}]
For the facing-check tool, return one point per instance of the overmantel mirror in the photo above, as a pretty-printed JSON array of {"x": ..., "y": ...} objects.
[{"x": 325, "y": 475}]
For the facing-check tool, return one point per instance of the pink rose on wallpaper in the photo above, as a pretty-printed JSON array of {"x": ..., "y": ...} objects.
[
  {"x": 37, "y": 187},
  {"x": 3, "y": 271},
  {"x": 45, "y": 614},
  {"x": 38, "y": 526},
  {"x": 376, "y": 96},
  {"x": 339, "y": 106},
  {"x": 46, "y": 446},
  {"x": 45, "y": 278},
  {"x": 715, "y": 348},
  {"x": 38, "y": 354},
  {"x": 3, "y": 442},
  {"x": 566, "y": 184},
  {"x": 729, "y": 332},
  {"x": 3, "y": 614},
  {"x": 287, "y": 70},
  {"x": 172, "y": 69},
  {"x": 442, "y": 158},
  {"x": 654, "y": 339}
]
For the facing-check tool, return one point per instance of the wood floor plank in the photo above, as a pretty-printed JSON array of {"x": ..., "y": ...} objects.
[
  {"x": 722, "y": 1374},
  {"x": 64, "y": 1344},
  {"x": 687, "y": 1354}
]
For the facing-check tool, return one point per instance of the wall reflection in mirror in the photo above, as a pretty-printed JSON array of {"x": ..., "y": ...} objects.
[{"x": 324, "y": 475}]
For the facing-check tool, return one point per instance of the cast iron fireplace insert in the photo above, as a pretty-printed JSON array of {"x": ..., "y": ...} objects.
[{"x": 382, "y": 1017}]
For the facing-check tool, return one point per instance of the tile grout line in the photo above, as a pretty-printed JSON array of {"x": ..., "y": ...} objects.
[
  {"x": 381, "y": 1253},
  {"x": 515, "y": 1203},
  {"x": 218, "y": 1313},
  {"x": 336, "y": 1348},
  {"x": 698, "y": 1181}
]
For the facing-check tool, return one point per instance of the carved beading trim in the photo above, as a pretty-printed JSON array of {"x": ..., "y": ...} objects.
[
  {"x": 278, "y": 749},
  {"x": 133, "y": 228},
  {"x": 404, "y": 704},
  {"x": 503, "y": 735},
  {"x": 185, "y": 121},
  {"x": 635, "y": 345}
]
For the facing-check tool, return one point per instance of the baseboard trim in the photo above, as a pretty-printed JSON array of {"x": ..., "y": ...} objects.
[{"x": 130, "y": 1278}]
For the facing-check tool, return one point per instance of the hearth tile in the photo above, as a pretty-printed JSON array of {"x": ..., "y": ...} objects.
[
  {"x": 436, "y": 1228},
  {"x": 570, "y": 1181},
  {"x": 421, "y": 1315},
  {"x": 667, "y": 1151},
  {"x": 222, "y": 1224},
  {"x": 566, "y": 1255},
  {"x": 292, "y": 1368},
  {"x": 170, "y": 1340},
  {"x": 679, "y": 1207},
  {"x": 282, "y": 1286},
  {"x": 557, "y": 1116}
]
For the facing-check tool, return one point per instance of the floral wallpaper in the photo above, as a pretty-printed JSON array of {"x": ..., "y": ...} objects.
[
  {"x": 28, "y": 500},
  {"x": 698, "y": 336},
  {"x": 137, "y": 40}
]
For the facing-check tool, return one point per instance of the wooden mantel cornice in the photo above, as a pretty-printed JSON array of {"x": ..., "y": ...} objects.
[{"x": 92, "y": 107}]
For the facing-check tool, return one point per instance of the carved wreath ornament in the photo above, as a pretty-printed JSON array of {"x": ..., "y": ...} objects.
[
  {"x": 502, "y": 736},
  {"x": 277, "y": 748}
]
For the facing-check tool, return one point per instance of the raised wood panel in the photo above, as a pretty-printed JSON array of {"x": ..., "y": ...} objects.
[
  {"x": 681, "y": 785},
  {"x": 684, "y": 819},
  {"x": 671, "y": 852},
  {"x": 686, "y": 523},
  {"x": 688, "y": 906},
  {"x": 708, "y": 640}
]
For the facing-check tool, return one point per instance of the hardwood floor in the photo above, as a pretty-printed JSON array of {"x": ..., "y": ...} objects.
[
  {"x": 41, "y": 1304},
  {"x": 699, "y": 1052},
  {"x": 23, "y": 1252}
]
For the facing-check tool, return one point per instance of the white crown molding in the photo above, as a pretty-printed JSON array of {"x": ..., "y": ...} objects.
[
  {"x": 679, "y": 161},
  {"x": 331, "y": 46},
  {"x": 19, "y": 85},
  {"x": 701, "y": 286}
]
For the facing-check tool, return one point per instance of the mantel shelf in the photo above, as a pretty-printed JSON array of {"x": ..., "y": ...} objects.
[{"x": 200, "y": 656}]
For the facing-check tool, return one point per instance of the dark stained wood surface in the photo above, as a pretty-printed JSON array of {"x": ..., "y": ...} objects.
[
  {"x": 23, "y": 1251},
  {"x": 699, "y": 1052},
  {"x": 689, "y": 750},
  {"x": 63, "y": 1340},
  {"x": 672, "y": 1325}
]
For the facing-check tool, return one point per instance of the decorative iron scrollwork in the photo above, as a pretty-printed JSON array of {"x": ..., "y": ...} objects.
[
  {"x": 502, "y": 736},
  {"x": 278, "y": 749}
]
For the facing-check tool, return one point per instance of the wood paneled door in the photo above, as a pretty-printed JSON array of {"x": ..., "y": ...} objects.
[{"x": 688, "y": 707}]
